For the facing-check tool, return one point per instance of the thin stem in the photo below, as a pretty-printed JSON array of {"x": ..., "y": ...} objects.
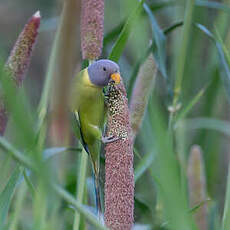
[
  {"x": 181, "y": 58},
  {"x": 81, "y": 186}
]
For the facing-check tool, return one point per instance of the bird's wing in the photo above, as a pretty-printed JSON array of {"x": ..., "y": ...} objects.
[{"x": 78, "y": 131}]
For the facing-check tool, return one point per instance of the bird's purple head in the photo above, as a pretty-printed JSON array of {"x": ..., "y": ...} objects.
[{"x": 103, "y": 71}]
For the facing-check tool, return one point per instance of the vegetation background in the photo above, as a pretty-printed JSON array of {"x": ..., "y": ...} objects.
[{"x": 190, "y": 42}]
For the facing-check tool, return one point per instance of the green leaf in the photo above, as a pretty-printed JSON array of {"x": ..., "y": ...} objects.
[
  {"x": 182, "y": 54},
  {"x": 223, "y": 46},
  {"x": 225, "y": 75},
  {"x": 7, "y": 194},
  {"x": 124, "y": 35},
  {"x": 111, "y": 35},
  {"x": 157, "y": 5},
  {"x": 226, "y": 216},
  {"x": 208, "y": 123},
  {"x": 152, "y": 47},
  {"x": 159, "y": 39},
  {"x": 213, "y": 5}
]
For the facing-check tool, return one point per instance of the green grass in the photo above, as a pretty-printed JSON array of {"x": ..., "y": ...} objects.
[{"x": 44, "y": 186}]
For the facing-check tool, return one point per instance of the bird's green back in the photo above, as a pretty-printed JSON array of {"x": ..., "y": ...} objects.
[{"x": 88, "y": 101}]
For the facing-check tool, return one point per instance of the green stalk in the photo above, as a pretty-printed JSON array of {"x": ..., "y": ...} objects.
[
  {"x": 81, "y": 186},
  {"x": 181, "y": 58}
]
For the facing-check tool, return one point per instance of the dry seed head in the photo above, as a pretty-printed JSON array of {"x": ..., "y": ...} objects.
[
  {"x": 92, "y": 28},
  {"x": 197, "y": 185},
  {"x": 141, "y": 92},
  {"x": 119, "y": 177},
  {"x": 19, "y": 59}
]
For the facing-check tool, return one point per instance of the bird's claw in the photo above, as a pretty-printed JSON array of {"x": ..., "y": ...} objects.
[{"x": 109, "y": 139}]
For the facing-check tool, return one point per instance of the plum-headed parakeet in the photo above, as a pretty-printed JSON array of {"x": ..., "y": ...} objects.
[{"x": 87, "y": 102}]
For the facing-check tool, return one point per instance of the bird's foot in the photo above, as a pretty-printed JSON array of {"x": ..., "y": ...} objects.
[{"x": 109, "y": 139}]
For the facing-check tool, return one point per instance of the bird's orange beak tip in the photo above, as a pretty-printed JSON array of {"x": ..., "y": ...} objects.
[{"x": 116, "y": 77}]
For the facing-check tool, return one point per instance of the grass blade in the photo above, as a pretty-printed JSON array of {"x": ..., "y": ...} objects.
[
  {"x": 208, "y": 123},
  {"x": 124, "y": 35},
  {"x": 224, "y": 59},
  {"x": 166, "y": 31},
  {"x": 213, "y": 5},
  {"x": 183, "y": 50},
  {"x": 7, "y": 194},
  {"x": 159, "y": 39},
  {"x": 199, "y": 3}
]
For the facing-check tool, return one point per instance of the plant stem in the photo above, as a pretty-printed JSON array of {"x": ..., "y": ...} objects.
[
  {"x": 81, "y": 186},
  {"x": 181, "y": 59}
]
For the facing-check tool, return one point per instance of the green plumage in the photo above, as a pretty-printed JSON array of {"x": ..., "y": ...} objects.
[{"x": 87, "y": 102}]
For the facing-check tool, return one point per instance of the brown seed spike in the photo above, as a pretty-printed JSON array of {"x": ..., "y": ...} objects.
[
  {"x": 119, "y": 177},
  {"x": 140, "y": 94},
  {"x": 197, "y": 186},
  {"x": 92, "y": 28},
  {"x": 19, "y": 59}
]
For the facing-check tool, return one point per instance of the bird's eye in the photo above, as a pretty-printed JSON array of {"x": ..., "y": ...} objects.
[{"x": 104, "y": 68}]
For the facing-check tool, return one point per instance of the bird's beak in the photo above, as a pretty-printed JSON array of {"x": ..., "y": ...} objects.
[{"x": 116, "y": 77}]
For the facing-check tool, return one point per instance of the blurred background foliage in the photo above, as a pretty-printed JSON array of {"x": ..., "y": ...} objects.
[{"x": 203, "y": 70}]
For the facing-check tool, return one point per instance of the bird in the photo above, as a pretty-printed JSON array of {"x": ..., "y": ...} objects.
[{"x": 88, "y": 106}]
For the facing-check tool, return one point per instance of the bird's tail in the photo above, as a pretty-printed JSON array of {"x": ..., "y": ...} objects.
[
  {"x": 97, "y": 192},
  {"x": 98, "y": 196}
]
